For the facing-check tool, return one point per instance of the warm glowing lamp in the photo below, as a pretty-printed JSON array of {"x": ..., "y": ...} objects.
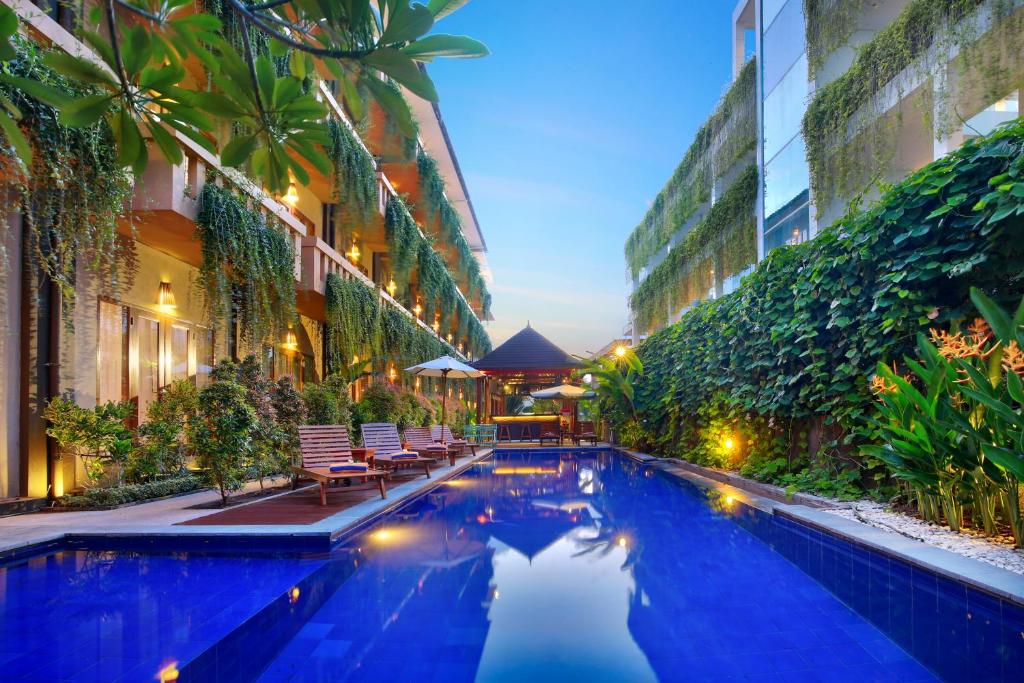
[
  {"x": 392, "y": 287},
  {"x": 437, "y": 326},
  {"x": 620, "y": 350},
  {"x": 291, "y": 342},
  {"x": 353, "y": 253},
  {"x": 291, "y": 197},
  {"x": 293, "y": 595},
  {"x": 165, "y": 299},
  {"x": 729, "y": 443},
  {"x": 168, "y": 674},
  {"x": 392, "y": 373},
  {"x": 417, "y": 309}
]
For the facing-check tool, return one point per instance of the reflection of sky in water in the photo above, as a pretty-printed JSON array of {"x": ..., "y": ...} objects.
[{"x": 568, "y": 643}]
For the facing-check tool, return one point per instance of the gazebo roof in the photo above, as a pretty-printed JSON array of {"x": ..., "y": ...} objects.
[{"x": 527, "y": 350}]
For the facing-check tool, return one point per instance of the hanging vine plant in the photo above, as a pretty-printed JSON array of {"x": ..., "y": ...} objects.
[
  {"x": 355, "y": 179},
  {"x": 848, "y": 127},
  {"x": 74, "y": 191},
  {"x": 723, "y": 244},
  {"x": 403, "y": 242},
  {"x": 728, "y": 135},
  {"x": 248, "y": 266}
]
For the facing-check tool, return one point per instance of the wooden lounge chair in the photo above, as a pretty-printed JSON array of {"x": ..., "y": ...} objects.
[
  {"x": 585, "y": 432},
  {"x": 382, "y": 437},
  {"x": 326, "y": 445},
  {"x": 551, "y": 433},
  {"x": 436, "y": 433},
  {"x": 422, "y": 441}
]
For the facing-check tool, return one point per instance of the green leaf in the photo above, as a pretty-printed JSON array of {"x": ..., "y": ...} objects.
[
  {"x": 79, "y": 69},
  {"x": 998, "y": 319},
  {"x": 42, "y": 92},
  {"x": 16, "y": 138},
  {"x": 442, "y": 8},
  {"x": 393, "y": 103},
  {"x": 403, "y": 70},
  {"x": 238, "y": 150},
  {"x": 1005, "y": 459},
  {"x": 165, "y": 141},
  {"x": 442, "y": 45},
  {"x": 406, "y": 22},
  {"x": 85, "y": 111}
]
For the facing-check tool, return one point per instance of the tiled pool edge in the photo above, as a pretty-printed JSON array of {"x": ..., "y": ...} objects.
[
  {"x": 316, "y": 537},
  {"x": 989, "y": 579}
]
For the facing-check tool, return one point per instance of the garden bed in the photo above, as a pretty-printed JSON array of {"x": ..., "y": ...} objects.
[
  {"x": 995, "y": 550},
  {"x": 125, "y": 496}
]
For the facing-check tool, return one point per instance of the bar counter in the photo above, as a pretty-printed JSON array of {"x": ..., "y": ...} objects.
[{"x": 523, "y": 427}]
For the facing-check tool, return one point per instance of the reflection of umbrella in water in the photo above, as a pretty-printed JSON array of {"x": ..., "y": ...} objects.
[
  {"x": 564, "y": 392},
  {"x": 531, "y": 536},
  {"x": 570, "y": 506}
]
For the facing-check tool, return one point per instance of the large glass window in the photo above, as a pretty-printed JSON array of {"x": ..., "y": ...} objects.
[
  {"x": 782, "y": 43},
  {"x": 786, "y": 177},
  {"x": 178, "y": 361},
  {"x": 112, "y": 354},
  {"x": 784, "y": 108},
  {"x": 147, "y": 332},
  {"x": 204, "y": 356},
  {"x": 769, "y": 10},
  {"x": 791, "y": 225}
]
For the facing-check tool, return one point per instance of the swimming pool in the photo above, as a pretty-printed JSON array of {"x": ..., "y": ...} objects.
[{"x": 539, "y": 565}]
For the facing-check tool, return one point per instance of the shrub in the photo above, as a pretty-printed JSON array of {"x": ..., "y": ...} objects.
[
  {"x": 100, "y": 435},
  {"x": 328, "y": 403},
  {"x": 380, "y": 403},
  {"x": 291, "y": 412},
  {"x": 133, "y": 493},
  {"x": 161, "y": 447},
  {"x": 222, "y": 433}
]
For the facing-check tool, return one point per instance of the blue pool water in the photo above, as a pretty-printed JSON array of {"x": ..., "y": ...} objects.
[{"x": 553, "y": 565}]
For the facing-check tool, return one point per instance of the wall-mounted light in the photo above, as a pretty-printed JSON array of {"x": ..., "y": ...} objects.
[
  {"x": 353, "y": 253},
  {"x": 291, "y": 197},
  {"x": 392, "y": 373},
  {"x": 165, "y": 299},
  {"x": 291, "y": 342},
  {"x": 392, "y": 287},
  {"x": 437, "y": 325},
  {"x": 417, "y": 309}
]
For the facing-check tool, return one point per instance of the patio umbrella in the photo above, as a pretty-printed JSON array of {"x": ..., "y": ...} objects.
[
  {"x": 565, "y": 392},
  {"x": 444, "y": 367}
]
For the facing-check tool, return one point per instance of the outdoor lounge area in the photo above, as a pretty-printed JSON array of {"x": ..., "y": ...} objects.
[{"x": 335, "y": 348}]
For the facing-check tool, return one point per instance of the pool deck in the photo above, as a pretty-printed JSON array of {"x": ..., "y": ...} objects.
[{"x": 173, "y": 518}]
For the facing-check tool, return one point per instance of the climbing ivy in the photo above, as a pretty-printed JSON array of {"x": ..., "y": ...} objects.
[
  {"x": 847, "y": 128},
  {"x": 722, "y": 244},
  {"x": 74, "y": 191},
  {"x": 355, "y": 180},
  {"x": 727, "y": 136},
  {"x": 447, "y": 226},
  {"x": 248, "y": 265},
  {"x": 798, "y": 341},
  {"x": 403, "y": 243}
]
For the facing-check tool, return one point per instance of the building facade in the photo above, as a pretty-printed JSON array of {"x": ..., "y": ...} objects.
[
  {"x": 204, "y": 264},
  {"x": 847, "y": 95}
]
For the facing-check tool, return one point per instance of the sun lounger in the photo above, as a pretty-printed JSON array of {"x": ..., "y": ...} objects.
[
  {"x": 326, "y": 447},
  {"x": 389, "y": 455},
  {"x": 422, "y": 441},
  {"x": 436, "y": 432}
]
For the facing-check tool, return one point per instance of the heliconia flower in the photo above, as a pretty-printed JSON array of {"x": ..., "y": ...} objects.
[{"x": 1013, "y": 359}]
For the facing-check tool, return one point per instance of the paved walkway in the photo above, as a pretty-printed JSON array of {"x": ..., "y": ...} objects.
[{"x": 165, "y": 517}]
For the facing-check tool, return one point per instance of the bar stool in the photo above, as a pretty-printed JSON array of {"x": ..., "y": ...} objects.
[
  {"x": 504, "y": 432},
  {"x": 526, "y": 433}
]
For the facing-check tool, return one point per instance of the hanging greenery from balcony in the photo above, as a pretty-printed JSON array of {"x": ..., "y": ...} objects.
[
  {"x": 355, "y": 180},
  {"x": 848, "y": 127},
  {"x": 800, "y": 339},
  {"x": 441, "y": 214},
  {"x": 721, "y": 245},
  {"x": 728, "y": 135},
  {"x": 360, "y": 324},
  {"x": 74, "y": 190},
  {"x": 248, "y": 265},
  {"x": 403, "y": 243}
]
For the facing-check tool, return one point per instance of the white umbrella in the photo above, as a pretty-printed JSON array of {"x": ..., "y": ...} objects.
[
  {"x": 566, "y": 392},
  {"x": 444, "y": 367}
]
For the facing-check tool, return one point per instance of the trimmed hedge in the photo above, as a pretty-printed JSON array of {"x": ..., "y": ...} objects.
[
  {"x": 133, "y": 493},
  {"x": 799, "y": 340}
]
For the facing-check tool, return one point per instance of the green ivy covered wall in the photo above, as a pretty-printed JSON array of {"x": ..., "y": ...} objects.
[
  {"x": 728, "y": 135},
  {"x": 849, "y": 132},
  {"x": 797, "y": 343},
  {"x": 722, "y": 245}
]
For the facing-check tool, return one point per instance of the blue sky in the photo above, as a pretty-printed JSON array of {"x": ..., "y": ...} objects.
[{"x": 566, "y": 133}]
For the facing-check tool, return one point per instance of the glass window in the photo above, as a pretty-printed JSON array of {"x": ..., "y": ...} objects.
[
  {"x": 204, "y": 356},
  {"x": 784, "y": 108},
  {"x": 791, "y": 226},
  {"x": 178, "y": 360},
  {"x": 112, "y": 357},
  {"x": 786, "y": 176},
  {"x": 769, "y": 9},
  {"x": 782, "y": 43},
  {"x": 148, "y": 332}
]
